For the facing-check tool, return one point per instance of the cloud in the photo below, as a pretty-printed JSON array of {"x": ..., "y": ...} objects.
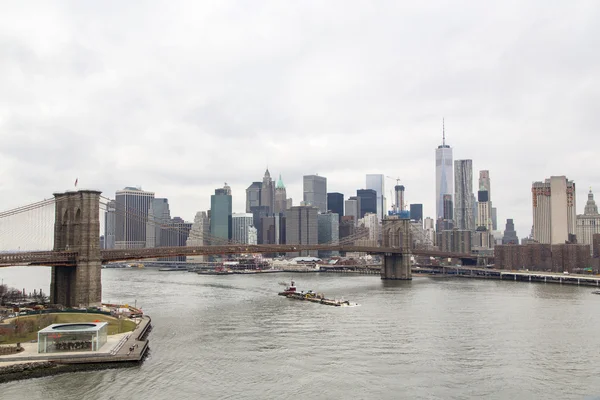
[{"x": 179, "y": 100}]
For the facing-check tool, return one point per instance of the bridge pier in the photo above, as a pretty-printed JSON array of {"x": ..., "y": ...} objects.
[
  {"x": 77, "y": 228},
  {"x": 396, "y": 233},
  {"x": 396, "y": 266}
]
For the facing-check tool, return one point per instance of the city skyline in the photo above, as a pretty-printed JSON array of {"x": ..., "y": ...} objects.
[{"x": 113, "y": 113}]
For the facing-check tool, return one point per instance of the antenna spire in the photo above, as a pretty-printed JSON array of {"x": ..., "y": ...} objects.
[{"x": 443, "y": 133}]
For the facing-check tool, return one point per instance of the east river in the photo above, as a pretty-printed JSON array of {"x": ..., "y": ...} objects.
[{"x": 232, "y": 337}]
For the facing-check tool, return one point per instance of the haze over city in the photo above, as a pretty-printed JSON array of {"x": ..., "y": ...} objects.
[{"x": 179, "y": 100}]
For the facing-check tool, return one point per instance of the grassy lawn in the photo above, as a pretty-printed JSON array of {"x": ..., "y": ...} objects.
[{"x": 38, "y": 322}]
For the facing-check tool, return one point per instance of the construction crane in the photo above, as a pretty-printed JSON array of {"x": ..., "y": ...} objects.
[{"x": 396, "y": 179}]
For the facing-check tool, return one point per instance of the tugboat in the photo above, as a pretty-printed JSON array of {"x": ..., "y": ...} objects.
[{"x": 291, "y": 293}]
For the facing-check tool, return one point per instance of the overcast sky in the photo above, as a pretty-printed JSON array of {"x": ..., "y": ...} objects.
[{"x": 180, "y": 97}]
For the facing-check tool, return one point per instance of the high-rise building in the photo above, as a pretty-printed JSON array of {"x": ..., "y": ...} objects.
[
  {"x": 416, "y": 212},
  {"x": 554, "y": 217},
  {"x": 443, "y": 174},
  {"x": 271, "y": 229},
  {"x": 259, "y": 212},
  {"x": 484, "y": 212},
  {"x": 588, "y": 224},
  {"x": 494, "y": 219},
  {"x": 510, "y": 235},
  {"x": 198, "y": 234},
  {"x": 368, "y": 201},
  {"x": 253, "y": 196},
  {"x": 220, "y": 216},
  {"x": 335, "y": 204},
  {"x": 399, "y": 198},
  {"x": 376, "y": 182},
  {"x": 315, "y": 191},
  {"x": 109, "y": 225},
  {"x": 131, "y": 215},
  {"x": 267, "y": 192},
  {"x": 240, "y": 223},
  {"x": 159, "y": 217},
  {"x": 175, "y": 233},
  {"x": 463, "y": 195},
  {"x": 328, "y": 232},
  {"x": 352, "y": 207},
  {"x": 371, "y": 222},
  {"x": 280, "y": 197},
  {"x": 302, "y": 228}
]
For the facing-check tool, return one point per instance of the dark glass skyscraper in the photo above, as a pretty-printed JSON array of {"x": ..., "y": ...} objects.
[
  {"x": 220, "y": 215},
  {"x": 368, "y": 201},
  {"x": 416, "y": 212},
  {"x": 335, "y": 204}
]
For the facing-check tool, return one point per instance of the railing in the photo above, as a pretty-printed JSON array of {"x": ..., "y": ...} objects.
[
  {"x": 69, "y": 258},
  {"x": 39, "y": 258}
]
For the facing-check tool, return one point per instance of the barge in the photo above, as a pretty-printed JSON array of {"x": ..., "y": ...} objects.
[{"x": 291, "y": 293}]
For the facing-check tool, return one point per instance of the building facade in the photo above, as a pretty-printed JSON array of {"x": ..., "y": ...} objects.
[
  {"x": 131, "y": 216},
  {"x": 302, "y": 228},
  {"x": 110, "y": 225},
  {"x": 280, "y": 197},
  {"x": 335, "y": 204},
  {"x": 198, "y": 234},
  {"x": 352, "y": 209},
  {"x": 416, "y": 212},
  {"x": 368, "y": 201},
  {"x": 443, "y": 175},
  {"x": 220, "y": 216},
  {"x": 376, "y": 182},
  {"x": 159, "y": 216},
  {"x": 240, "y": 225},
  {"x": 328, "y": 232},
  {"x": 554, "y": 216},
  {"x": 588, "y": 224},
  {"x": 399, "y": 203},
  {"x": 253, "y": 193},
  {"x": 315, "y": 191},
  {"x": 463, "y": 195},
  {"x": 510, "y": 235},
  {"x": 267, "y": 192}
]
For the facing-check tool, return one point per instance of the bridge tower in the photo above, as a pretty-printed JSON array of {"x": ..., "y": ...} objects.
[
  {"x": 396, "y": 234},
  {"x": 77, "y": 228}
]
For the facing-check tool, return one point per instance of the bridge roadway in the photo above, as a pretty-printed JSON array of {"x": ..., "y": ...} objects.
[{"x": 69, "y": 258}]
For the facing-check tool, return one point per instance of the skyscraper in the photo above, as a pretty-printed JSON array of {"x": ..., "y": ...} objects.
[
  {"x": 220, "y": 216},
  {"x": 554, "y": 215},
  {"x": 198, "y": 234},
  {"x": 302, "y": 228},
  {"x": 335, "y": 204},
  {"x": 376, "y": 182},
  {"x": 416, "y": 212},
  {"x": 280, "y": 197},
  {"x": 109, "y": 225},
  {"x": 240, "y": 224},
  {"x": 368, "y": 201},
  {"x": 588, "y": 224},
  {"x": 253, "y": 196},
  {"x": 443, "y": 174},
  {"x": 131, "y": 215},
  {"x": 399, "y": 200},
  {"x": 267, "y": 192},
  {"x": 352, "y": 207},
  {"x": 328, "y": 231},
  {"x": 510, "y": 235},
  {"x": 159, "y": 216},
  {"x": 463, "y": 195},
  {"x": 315, "y": 191}
]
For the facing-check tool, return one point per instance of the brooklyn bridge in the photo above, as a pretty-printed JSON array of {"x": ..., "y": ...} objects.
[{"x": 76, "y": 257}]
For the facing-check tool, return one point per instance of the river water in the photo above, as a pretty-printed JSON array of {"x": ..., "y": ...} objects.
[{"x": 231, "y": 337}]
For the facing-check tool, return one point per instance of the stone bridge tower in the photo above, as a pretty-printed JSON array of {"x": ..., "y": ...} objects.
[
  {"x": 77, "y": 228},
  {"x": 396, "y": 234}
]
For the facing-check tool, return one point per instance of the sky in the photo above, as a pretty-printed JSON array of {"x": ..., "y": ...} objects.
[{"x": 180, "y": 97}]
